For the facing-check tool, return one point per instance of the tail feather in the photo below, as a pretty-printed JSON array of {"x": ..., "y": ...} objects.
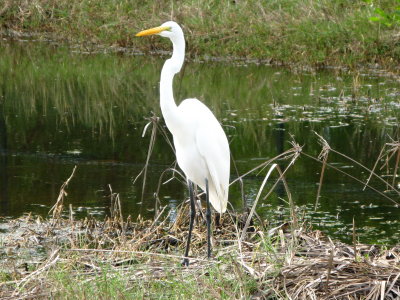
[{"x": 218, "y": 200}]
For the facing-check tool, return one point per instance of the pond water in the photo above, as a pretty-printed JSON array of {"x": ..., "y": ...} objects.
[{"x": 60, "y": 108}]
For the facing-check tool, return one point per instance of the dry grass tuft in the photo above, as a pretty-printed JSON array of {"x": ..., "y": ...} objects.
[
  {"x": 321, "y": 269},
  {"x": 295, "y": 264}
]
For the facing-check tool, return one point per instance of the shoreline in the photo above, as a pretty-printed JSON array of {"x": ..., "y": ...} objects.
[
  {"x": 371, "y": 68},
  {"x": 309, "y": 34},
  {"x": 62, "y": 257}
]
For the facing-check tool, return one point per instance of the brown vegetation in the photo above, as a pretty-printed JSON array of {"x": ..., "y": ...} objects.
[{"x": 285, "y": 262}]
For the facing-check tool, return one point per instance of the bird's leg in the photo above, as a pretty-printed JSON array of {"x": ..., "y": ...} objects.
[
  {"x": 208, "y": 220},
  {"x": 217, "y": 220},
  {"x": 185, "y": 261}
]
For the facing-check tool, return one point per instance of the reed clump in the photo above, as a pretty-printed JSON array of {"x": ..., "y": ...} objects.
[{"x": 286, "y": 261}]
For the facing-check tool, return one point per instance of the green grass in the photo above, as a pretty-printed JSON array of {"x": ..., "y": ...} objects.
[
  {"x": 306, "y": 32},
  {"x": 217, "y": 282}
]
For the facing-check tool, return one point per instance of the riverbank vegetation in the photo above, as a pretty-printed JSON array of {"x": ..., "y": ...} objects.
[
  {"x": 311, "y": 33},
  {"x": 64, "y": 258},
  {"x": 120, "y": 258}
]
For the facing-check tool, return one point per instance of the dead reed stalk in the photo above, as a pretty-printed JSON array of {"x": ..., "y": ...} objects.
[
  {"x": 324, "y": 157},
  {"x": 58, "y": 206},
  {"x": 297, "y": 264}
]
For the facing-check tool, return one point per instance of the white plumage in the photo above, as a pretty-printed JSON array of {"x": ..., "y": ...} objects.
[{"x": 202, "y": 149}]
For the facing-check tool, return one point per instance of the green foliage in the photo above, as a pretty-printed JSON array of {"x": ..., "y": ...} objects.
[
  {"x": 388, "y": 17},
  {"x": 302, "y": 32},
  {"x": 110, "y": 283},
  {"x": 4, "y": 276}
]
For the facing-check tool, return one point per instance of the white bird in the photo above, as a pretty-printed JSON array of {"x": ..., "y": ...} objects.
[{"x": 202, "y": 148}]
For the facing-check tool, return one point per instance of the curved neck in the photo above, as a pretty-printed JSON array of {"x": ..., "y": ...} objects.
[{"x": 172, "y": 66}]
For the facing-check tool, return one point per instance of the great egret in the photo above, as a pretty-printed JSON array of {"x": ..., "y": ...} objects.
[{"x": 202, "y": 149}]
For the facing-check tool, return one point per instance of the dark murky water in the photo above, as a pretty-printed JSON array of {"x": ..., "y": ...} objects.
[{"x": 61, "y": 108}]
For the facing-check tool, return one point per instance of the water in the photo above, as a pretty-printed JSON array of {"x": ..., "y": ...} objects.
[{"x": 61, "y": 108}]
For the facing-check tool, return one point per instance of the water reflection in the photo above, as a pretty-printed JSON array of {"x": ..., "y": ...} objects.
[{"x": 61, "y": 109}]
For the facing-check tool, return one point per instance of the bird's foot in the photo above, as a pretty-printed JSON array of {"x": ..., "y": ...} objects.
[{"x": 185, "y": 262}]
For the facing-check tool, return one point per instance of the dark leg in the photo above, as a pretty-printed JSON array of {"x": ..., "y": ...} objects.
[
  {"x": 217, "y": 220},
  {"x": 185, "y": 261},
  {"x": 208, "y": 220}
]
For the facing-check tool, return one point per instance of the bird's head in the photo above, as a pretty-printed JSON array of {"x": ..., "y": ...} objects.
[{"x": 168, "y": 29}]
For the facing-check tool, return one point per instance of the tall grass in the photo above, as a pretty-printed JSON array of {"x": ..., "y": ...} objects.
[{"x": 305, "y": 32}]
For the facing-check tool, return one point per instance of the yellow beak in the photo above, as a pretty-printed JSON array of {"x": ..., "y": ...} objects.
[{"x": 152, "y": 31}]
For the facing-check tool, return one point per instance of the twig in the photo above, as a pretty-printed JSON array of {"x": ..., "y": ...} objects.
[
  {"x": 153, "y": 121},
  {"x": 374, "y": 167},
  {"x": 365, "y": 168},
  {"x": 330, "y": 265},
  {"x": 244, "y": 231},
  {"x": 324, "y": 156},
  {"x": 352, "y": 177},
  {"x": 58, "y": 206},
  {"x": 354, "y": 240}
]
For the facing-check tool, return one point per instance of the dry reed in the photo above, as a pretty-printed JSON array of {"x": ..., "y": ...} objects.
[
  {"x": 302, "y": 264},
  {"x": 288, "y": 261}
]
